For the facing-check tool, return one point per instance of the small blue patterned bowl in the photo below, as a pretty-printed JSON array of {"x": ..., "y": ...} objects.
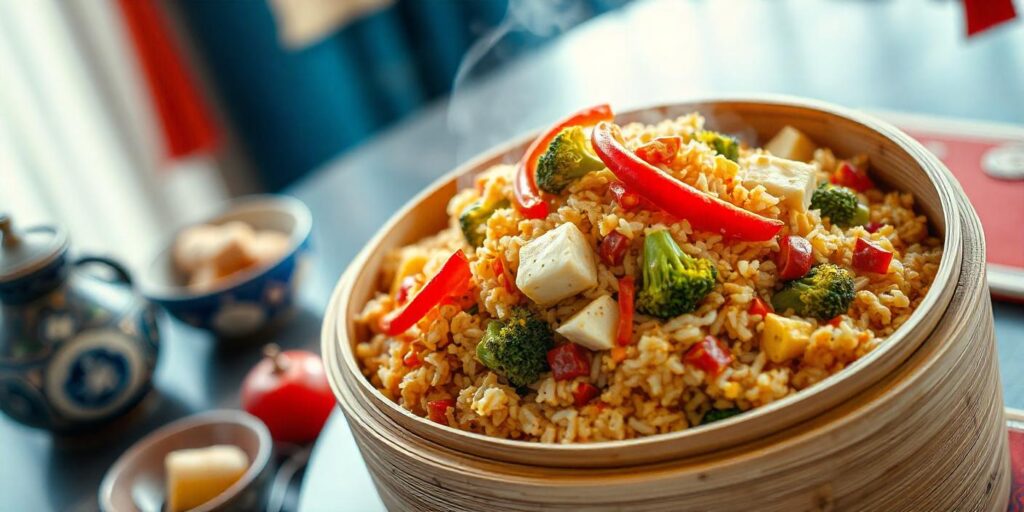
[{"x": 246, "y": 302}]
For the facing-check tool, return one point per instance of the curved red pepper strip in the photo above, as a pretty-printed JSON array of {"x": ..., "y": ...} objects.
[
  {"x": 452, "y": 277},
  {"x": 705, "y": 213},
  {"x": 528, "y": 197}
]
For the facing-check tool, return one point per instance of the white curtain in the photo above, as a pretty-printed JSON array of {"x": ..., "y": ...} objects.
[{"x": 79, "y": 144}]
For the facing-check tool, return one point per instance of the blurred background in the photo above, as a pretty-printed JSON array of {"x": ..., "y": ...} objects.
[{"x": 123, "y": 120}]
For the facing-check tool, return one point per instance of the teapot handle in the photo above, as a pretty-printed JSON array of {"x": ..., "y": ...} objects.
[{"x": 122, "y": 274}]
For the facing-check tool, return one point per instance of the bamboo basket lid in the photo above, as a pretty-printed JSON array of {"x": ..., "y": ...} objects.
[
  {"x": 929, "y": 436},
  {"x": 903, "y": 164}
]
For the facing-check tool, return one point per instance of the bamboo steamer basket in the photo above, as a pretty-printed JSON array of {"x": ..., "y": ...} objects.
[{"x": 917, "y": 424}]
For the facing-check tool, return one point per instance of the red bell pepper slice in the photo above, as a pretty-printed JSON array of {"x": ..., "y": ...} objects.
[
  {"x": 705, "y": 213},
  {"x": 451, "y": 279},
  {"x": 613, "y": 248},
  {"x": 584, "y": 393},
  {"x": 569, "y": 361},
  {"x": 710, "y": 355},
  {"x": 795, "y": 258},
  {"x": 851, "y": 176},
  {"x": 527, "y": 196},
  {"x": 627, "y": 289},
  {"x": 759, "y": 307},
  {"x": 869, "y": 257},
  {"x": 660, "y": 150},
  {"x": 437, "y": 410}
]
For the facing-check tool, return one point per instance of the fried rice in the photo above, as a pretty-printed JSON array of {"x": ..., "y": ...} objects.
[{"x": 646, "y": 387}]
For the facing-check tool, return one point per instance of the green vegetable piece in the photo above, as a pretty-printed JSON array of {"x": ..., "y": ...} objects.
[
  {"x": 862, "y": 217},
  {"x": 517, "y": 347},
  {"x": 473, "y": 220},
  {"x": 839, "y": 204},
  {"x": 719, "y": 414},
  {"x": 673, "y": 281},
  {"x": 825, "y": 292},
  {"x": 567, "y": 159},
  {"x": 723, "y": 144}
]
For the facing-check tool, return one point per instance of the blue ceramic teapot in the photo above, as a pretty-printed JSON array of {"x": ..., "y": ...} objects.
[{"x": 76, "y": 349}]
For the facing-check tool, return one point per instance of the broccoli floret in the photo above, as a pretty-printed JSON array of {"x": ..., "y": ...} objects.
[
  {"x": 719, "y": 414},
  {"x": 839, "y": 204},
  {"x": 862, "y": 216},
  {"x": 673, "y": 281},
  {"x": 567, "y": 159},
  {"x": 722, "y": 144},
  {"x": 825, "y": 292},
  {"x": 473, "y": 220},
  {"x": 516, "y": 347}
]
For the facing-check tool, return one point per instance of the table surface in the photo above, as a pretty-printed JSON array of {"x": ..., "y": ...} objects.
[{"x": 905, "y": 56}]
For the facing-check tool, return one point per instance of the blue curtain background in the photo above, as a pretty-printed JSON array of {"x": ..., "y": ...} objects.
[{"x": 293, "y": 109}]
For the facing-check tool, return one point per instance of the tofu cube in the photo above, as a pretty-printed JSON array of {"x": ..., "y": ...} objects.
[
  {"x": 791, "y": 181},
  {"x": 595, "y": 326},
  {"x": 198, "y": 475},
  {"x": 792, "y": 144},
  {"x": 785, "y": 338},
  {"x": 556, "y": 265}
]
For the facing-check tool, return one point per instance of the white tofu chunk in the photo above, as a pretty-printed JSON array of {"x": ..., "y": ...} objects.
[
  {"x": 791, "y": 181},
  {"x": 792, "y": 144},
  {"x": 595, "y": 326},
  {"x": 556, "y": 265}
]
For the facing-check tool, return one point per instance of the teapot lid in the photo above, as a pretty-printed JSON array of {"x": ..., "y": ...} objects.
[{"x": 27, "y": 251}]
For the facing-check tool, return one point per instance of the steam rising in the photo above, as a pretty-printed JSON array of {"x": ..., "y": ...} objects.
[{"x": 480, "y": 122}]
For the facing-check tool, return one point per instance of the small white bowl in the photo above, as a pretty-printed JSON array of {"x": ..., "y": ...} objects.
[{"x": 136, "y": 480}]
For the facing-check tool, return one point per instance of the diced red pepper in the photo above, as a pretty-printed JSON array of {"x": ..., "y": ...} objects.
[
  {"x": 871, "y": 227},
  {"x": 627, "y": 199},
  {"x": 627, "y": 289},
  {"x": 504, "y": 276},
  {"x": 569, "y": 361},
  {"x": 437, "y": 410},
  {"x": 584, "y": 393},
  {"x": 613, "y": 248},
  {"x": 661, "y": 150},
  {"x": 527, "y": 196},
  {"x": 704, "y": 212},
  {"x": 710, "y": 355},
  {"x": 868, "y": 257},
  {"x": 795, "y": 257},
  {"x": 759, "y": 307},
  {"x": 412, "y": 359},
  {"x": 404, "y": 289},
  {"x": 453, "y": 277},
  {"x": 836, "y": 321},
  {"x": 851, "y": 176}
]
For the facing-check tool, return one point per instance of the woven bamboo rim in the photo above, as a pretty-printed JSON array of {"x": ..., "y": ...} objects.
[{"x": 905, "y": 165}]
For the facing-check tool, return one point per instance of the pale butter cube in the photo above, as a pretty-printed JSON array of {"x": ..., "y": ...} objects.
[
  {"x": 556, "y": 265},
  {"x": 792, "y": 144},
  {"x": 198, "y": 475},
  {"x": 595, "y": 326},
  {"x": 785, "y": 338},
  {"x": 791, "y": 181}
]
